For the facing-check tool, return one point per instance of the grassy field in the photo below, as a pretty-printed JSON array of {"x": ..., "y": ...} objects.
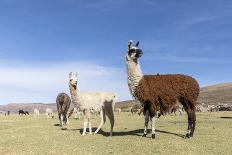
[{"x": 28, "y": 135}]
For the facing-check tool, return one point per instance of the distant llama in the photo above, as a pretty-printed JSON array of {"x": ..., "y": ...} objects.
[
  {"x": 118, "y": 110},
  {"x": 49, "y": 113},
  {"x": 76, "y": 112},
  {"x": 21, "y": 112},
  {"x": 36, "y": 112},
  {"x": 88, "y": 103},
  {"x": 63, "y": 102},
  {"x": 159, "y": 93}
]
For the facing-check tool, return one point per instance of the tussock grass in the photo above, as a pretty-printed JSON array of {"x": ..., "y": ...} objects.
[{"x": 29, "y": 135}]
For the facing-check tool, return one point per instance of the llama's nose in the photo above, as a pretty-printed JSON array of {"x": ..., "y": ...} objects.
[{"x": 139, "y": 53}]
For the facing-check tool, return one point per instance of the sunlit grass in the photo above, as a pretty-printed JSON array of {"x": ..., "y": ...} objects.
[{"x": 29, "y": 135}]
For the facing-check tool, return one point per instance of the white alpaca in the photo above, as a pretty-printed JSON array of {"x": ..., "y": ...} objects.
[
  {"x": 102, "y": 102},
  {"x": 36, "y": 112},
  {"x": 49, "y": 113}
]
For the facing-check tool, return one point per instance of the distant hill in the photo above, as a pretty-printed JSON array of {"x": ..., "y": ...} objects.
[
  {"x": 211, "y": 94},
  {"x": 15, "y": 107},
  {"x": 216, "y": 93},
  {"x": 126, "y": 104}
]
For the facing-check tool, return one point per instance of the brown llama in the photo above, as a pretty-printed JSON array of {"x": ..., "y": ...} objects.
[
  {"x": 63, "y": 102},
  {"x": 160, "y": 93}
]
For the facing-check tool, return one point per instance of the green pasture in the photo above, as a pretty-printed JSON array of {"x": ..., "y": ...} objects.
[{"x": 29, "y": 135}]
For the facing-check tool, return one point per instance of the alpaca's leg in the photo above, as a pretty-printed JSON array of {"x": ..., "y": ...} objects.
[
  {"x": 102, "y": 121},
  {"x": 146, "y": 123},
  {"x": 153, "y": 127}
]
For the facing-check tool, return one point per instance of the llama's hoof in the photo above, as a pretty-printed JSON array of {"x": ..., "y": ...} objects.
[
  {"x": 153, "y": 136},
  {"x": 187, "y": 135},
  {"x": 144, "y": 135}
]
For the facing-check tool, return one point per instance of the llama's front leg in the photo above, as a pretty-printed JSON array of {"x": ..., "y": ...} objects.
[
  {"x": 84, "y": 129},
  {"x": 61, "y": 119},
  {"x": 153, "y": 127},
  {"x": 146, "y": 123},
  {"x": 90, "y": 127},
  {"x": 102, "y": 122},
  {"x": 191, "y": 124},
  {"x": 67, "y": 119},
  {"x": 85, "y": 122}
]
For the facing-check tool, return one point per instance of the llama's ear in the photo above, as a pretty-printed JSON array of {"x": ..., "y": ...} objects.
[
  {"x": 76, "y": 74},
  {"x": 137, "y": 44},
  {"x": 130, "y": 44},
  {"x": 70, "y": 74}
]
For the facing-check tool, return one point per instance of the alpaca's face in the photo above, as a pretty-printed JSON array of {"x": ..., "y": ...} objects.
[
  {"x": 73, "y": 78},
  {"x": 134, "y": 52}
]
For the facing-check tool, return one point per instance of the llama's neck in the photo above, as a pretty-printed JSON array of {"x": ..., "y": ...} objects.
[
  {"x": 75, "y": 96},
  {"x": 134, "y": 75}
]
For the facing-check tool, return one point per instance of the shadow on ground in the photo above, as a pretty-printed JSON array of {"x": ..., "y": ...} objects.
[
  {"x": 226, "y": 117},
  {"x": 137, "y": 132}
]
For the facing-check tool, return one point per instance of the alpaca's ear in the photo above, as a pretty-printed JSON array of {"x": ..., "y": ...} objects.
[
  {"x": 76, "y": 74},
  {"x": 137, "y": 44}
]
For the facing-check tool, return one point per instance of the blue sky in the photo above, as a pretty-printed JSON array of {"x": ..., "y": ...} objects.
[{"x": 42, "y": 41}]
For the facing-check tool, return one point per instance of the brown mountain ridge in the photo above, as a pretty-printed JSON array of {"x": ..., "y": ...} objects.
[{"x": 219, "y": 93}]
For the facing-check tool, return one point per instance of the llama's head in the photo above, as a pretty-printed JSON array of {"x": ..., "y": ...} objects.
[
  {"x": 73, "y": 78},
  {"x": 111, "y": 97},
  {"x": 134, "y": 52}
]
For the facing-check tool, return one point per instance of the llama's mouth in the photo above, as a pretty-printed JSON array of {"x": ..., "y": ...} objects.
[{"x": 74, "y": 86}]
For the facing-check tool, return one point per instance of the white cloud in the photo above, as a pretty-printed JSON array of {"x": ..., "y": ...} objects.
[{"x": 32, "y": 82}]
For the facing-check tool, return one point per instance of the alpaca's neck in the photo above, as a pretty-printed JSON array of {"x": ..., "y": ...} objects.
[
  {"x": 134, "y": 75},
  {"x": 75, "y": 95}
]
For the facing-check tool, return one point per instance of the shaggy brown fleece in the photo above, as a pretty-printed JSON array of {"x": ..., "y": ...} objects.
[
  {"x": 63, "y": 102},
  {"x": 161, "y": 92}
]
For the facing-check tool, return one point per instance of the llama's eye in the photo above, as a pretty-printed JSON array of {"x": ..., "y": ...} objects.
[{"x": 131, "y": 51}]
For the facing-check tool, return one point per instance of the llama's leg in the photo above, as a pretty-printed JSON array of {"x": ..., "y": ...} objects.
[
  {"x": 102, "y": 121},
  {"x": 85, "y": 123},
  {"x": 111, "y": 125},
  {"x": 84, "y": 129},
  {"x": 193, "y": 120},
  {"x": 61, "y": 119},
  {"x": 90, "y": 127},
  {"x": 191, "y": 124},
  {"x": 67, "y": 120},
  {"x": 109, "y": 110},
  {"x": 146, "y": 123},
  {"x": 111, "y": 118},
  {"x": 79, "y": 115},
  {"x": 153, "y": 127}
]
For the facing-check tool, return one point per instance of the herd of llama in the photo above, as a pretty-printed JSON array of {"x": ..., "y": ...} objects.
[{"x": 156, "y": 94}]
